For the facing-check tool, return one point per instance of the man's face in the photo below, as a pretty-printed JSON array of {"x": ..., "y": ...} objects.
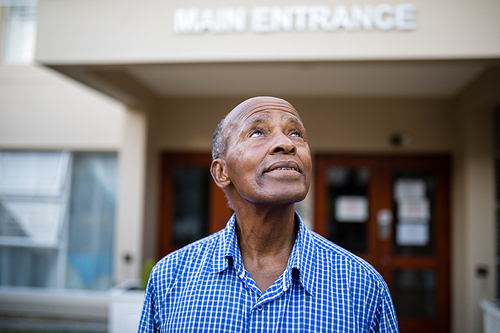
[{"x": 267, "y": 156}]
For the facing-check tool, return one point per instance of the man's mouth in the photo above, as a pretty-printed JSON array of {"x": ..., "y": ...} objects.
[{"x": 283, "y": 166}]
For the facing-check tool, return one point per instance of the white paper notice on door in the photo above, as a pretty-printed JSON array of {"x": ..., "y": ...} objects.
[
  {"x": 351, "y": 208},
  {"x": 409, "y": 234},
  {"x": 415, "y": 209},
  {"x": 407, "y": 189}
]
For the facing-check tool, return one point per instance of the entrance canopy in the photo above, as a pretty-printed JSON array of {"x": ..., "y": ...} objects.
[
  {"x": 143, "y": 84},
  {"x": 143, "y": 51}
]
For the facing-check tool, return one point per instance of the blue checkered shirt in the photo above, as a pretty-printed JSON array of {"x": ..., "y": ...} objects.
[{"x": 204, "y": 287}]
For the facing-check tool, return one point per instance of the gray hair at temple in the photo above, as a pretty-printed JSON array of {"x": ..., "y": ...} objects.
[{"x": 219, "y": 140}]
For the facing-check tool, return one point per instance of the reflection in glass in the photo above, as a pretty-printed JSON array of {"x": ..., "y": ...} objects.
[
  {"x": 191, "y": 204},
  {"x": 414, "y": 293},
  {"x": 348, "y": 207}
]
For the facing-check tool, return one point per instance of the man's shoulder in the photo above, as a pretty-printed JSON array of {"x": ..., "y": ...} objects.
[{"x": 340, "y": 257}]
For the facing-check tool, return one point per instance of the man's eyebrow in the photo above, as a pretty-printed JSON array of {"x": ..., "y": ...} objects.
[
  {"x": 294, "y": 119},
  {"x": 257, "y": 119}
]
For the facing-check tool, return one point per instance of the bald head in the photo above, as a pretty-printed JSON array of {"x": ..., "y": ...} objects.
[{"x": 242, "y": 110}]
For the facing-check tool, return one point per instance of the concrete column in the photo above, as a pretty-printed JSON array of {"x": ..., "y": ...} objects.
[
  {"x": 131, "y": 194},
  {"x": 474, "y": 222},
  {"x": 153, "y": 180}
]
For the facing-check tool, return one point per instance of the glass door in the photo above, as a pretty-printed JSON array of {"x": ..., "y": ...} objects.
[
  {"x": 191, "y": 205},
  {"x": 393, "y": 211}
]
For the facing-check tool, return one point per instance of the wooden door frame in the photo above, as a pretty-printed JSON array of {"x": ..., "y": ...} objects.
[
  {"x": 320, "y": 209},
  {"x": 441, "y": 164}
]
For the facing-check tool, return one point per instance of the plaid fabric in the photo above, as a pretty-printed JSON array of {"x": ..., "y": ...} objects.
[{"x": 204, "y": 287}]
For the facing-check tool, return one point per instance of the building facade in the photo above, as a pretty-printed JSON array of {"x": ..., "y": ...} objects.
[{"x": 399, "y": 101}]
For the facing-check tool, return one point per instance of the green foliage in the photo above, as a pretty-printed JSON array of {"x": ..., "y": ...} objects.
[{"x": 148, "y": 266}]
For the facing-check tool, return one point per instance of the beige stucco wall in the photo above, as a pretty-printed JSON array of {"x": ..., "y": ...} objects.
[
  {"x": 42, "y": 109},
  {"x": 116, "y": 31},
  {"x": 333, "y": 124}
]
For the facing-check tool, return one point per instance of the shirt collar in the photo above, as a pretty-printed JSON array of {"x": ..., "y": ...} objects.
[
  {"x": 227, "y": 251},
  {"x": 302, "y": 258}
]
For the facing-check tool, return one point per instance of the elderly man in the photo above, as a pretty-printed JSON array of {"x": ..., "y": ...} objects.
[{"x": 265, "y": 272}]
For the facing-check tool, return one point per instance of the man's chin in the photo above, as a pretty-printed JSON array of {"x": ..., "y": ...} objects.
[{"x": 283, "y": 197}]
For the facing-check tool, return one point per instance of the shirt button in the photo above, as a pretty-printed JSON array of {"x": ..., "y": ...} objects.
[{"x": 259, "y": 308}]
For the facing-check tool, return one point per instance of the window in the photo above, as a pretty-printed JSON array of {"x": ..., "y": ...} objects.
[
  {"x": 57, "y": 212},
  {"x": 19, "y": 31}
]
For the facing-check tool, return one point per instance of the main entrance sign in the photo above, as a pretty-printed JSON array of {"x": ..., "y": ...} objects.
[{"x": 295, "y": 18}]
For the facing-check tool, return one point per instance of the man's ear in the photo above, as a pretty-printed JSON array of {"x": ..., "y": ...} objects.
[{"x": 219, "y": 174}]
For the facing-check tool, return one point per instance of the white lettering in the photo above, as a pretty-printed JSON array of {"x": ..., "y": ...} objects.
[
  {"x": 405, "y": 16},
  {"x": 206, "y": 21},
  {"x": 287, "y": 18},
  {"x": 319, "y": 17},
  {"x": 362, "y": 17},
  {"x": 240, "y": 20},
  {"x": 275, "y": 19},
  {"x": 229, "y": 20},
  {"x": 223, "y": 20},
  {"x": 340, "y": 18},
  {"x": 185, "y": 19},
  {"x": 383, "y": 18},
  {"x": 267, "y": 19},
  {"x": 260, "y": 19},
  {"x": 300, "y": 18}
]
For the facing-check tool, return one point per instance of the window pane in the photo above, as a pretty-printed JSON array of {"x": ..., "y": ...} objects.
[
  {"x": 39, "y": 220},
  {"x": 33, "y": 173},
  {"x": 348, "y": 207},
  {"x": 32, "y": 210},
  {"x": 191, "y": 204},
  {"x": 19, "y": 34},
  {"x": 28, "y": 267},
  {"x": 414, "y": 293},
  {"x": 91, "y": 225},
  {"x": 32, "y": 195}
]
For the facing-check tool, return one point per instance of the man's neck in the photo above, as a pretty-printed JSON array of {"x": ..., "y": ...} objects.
[{"x": 266, "y": 236}]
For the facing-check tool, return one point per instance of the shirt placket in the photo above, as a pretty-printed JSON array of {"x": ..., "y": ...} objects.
[{"x": 267, "y": 309}]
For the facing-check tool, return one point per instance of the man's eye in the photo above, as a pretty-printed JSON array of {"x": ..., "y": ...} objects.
[
  {"x": 297, "y": 134},
  {"x": 256, "y": 133}
]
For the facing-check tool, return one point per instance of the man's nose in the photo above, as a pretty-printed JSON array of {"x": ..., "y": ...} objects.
[{"x": 283, "y": 145}]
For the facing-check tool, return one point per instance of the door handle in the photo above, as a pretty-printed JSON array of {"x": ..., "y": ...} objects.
[{"x": 384, "y": 221}]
